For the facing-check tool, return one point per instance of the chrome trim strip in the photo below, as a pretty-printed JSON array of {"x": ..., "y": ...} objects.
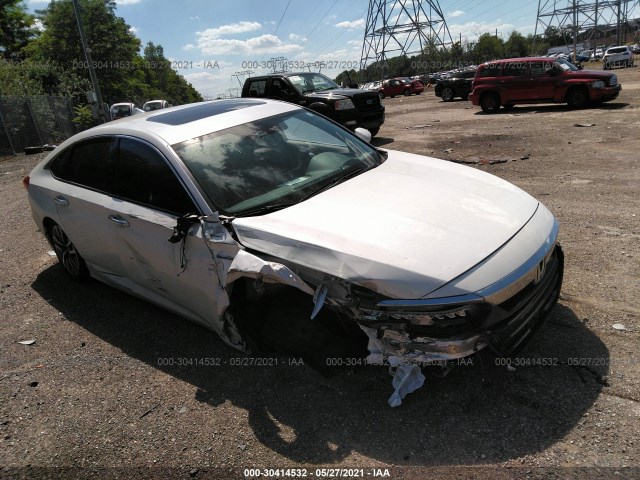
[{"x": 497, "y": 292}]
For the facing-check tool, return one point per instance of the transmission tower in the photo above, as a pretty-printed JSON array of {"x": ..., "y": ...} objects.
[
  {"x": 583, "y": 19},
  {"x": 402, "y": 27}
]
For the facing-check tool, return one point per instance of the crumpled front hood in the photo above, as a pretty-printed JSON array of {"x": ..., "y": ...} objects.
[{"x": 402, "y": 229}]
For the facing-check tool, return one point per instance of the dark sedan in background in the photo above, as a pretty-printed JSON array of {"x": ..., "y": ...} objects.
[{"x": 458, "y": 84}]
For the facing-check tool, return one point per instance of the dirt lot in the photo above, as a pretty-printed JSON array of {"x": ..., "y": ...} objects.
[{"x": 94, "y": 394}]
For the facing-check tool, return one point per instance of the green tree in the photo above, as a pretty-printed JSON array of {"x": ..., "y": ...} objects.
[
  {"x": 516, "y": 45},
  {"x": 113, "y": 46},
  {"x": 40, "y": 78},
  {"x": 489, "y": 47},
  {"x": 17, "y": 28}
]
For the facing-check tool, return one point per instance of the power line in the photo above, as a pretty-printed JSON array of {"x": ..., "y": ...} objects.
[{"x": 283, "y": 14}]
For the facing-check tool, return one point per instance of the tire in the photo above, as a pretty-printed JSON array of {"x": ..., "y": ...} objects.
[
  {"x": 68, "y": 256},
  {"x": 577, "y": 98},
  {"x": 374, "y": 131},
  {"x": 381, "y": 95},
  {"x": 508, "y": 107},
  {"x": 490, "y": 102},
  {"x": 448, "y": 94},
  {"x": 406, "y": 92}
]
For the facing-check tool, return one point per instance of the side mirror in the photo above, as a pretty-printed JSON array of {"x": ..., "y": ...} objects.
[{"x": 363, "y": 134}]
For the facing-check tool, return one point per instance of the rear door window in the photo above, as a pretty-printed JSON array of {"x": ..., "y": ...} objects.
[{"x": 88, "y": 164}]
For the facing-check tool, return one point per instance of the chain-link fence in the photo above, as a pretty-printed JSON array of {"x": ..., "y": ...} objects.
[{"x": 34, "y": 121}]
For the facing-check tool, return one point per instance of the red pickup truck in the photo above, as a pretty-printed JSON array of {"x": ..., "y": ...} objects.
[{"x": 540, "y": 80}]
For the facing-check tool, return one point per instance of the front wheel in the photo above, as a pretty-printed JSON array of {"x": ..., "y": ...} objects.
[
  {"x": 68, "y": 256},
  {"x": 490, "y": 103},
  {"x": 447, "y": 94},
  {"x": 577, "y": 98}
]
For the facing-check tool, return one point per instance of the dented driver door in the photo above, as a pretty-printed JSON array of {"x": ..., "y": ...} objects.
[{"x": 185, "y": 276}]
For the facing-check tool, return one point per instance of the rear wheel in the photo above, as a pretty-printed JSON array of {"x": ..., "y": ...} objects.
[
  {"x": 68, "y": 256},
  {"x": 447, "y": 94},
  {"x": 577, "y": 98},
  {"x": 490, "y": 103},
  {"x": 406, "y": 92}
]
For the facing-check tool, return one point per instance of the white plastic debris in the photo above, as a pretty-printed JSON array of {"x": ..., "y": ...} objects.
[
  {"x": 51, "y": 253},
  {"x": 406, "y": 379},
  {"x": 27, "y": 342},
  {"x": 619, "y": 326}
]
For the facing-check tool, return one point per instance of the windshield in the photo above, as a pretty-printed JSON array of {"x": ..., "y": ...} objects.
[
  {"x": 280, "y": 160},
  {"x": 566, "y": 66},
  {"x": 312, "y": 82}
]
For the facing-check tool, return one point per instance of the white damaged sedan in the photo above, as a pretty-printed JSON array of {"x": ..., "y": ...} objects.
[{"x": 212, "y": 209}]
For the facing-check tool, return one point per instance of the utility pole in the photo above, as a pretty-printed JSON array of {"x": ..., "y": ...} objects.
[
  {"x": 87, "y": 56},
  {"x": 575, "y": 32}
]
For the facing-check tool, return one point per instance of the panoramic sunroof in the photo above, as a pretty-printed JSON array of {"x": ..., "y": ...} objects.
[{"x": 191, "y": 114}]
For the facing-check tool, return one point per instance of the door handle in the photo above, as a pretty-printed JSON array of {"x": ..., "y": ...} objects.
[
  {"x": 60, "y": 200},
  {"x": 118, "y": 220}
]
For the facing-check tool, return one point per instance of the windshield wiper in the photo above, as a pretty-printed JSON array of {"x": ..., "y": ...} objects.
[
  {"x": 264, "y": 209},
  {"x": 347, "y": 174}
]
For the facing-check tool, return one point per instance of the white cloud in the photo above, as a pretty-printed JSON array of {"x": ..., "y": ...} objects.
[
  {"x": 134, "y": 30},
  {"x": 188, "y": 46},
  {"x": 455, "y": 14},
  {"x": 265, "y": 44},
  {"x": 297, "y": 38},
  {"x": 127, "y": 2},
  {"x": 194, "y": 18},
  {"x": 38, "y": 25},
  {"x": 231, "y": 29},
  {"x": 351, "y": 25}
]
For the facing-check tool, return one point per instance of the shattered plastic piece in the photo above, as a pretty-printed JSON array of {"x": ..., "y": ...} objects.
[
  {"x": 318, "y": 299},
  {"x": 619, "y": 326},
  {"x": 27, "y": 342},
  {"x": 448, "y": 150},
  {"x": 584, "y": 125},
  {"x": 406, "y": 379},
  {"x": 51, "y": 253}
]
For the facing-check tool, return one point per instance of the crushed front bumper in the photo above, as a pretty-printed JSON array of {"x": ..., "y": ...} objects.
[{"x": 397, "y": 331}]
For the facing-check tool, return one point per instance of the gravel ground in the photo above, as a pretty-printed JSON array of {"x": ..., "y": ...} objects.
[{"x": 95, "y": 395}]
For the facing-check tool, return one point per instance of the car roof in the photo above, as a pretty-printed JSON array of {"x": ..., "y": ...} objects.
[
  {"x": 184, "y": 122},
  {"x": 519, "y": 59}
]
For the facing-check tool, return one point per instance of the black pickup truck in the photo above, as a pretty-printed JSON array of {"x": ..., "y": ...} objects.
[{"x": 350, "y": 107}]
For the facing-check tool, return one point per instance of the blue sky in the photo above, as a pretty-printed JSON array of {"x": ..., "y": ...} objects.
[{"x": 210, "y": 40}]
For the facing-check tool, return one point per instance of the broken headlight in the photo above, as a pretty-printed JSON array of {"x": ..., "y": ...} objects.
[{"x": 425, "y": 317}]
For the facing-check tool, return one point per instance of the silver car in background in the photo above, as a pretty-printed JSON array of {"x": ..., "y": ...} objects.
[{"x": 209, "y": 209}]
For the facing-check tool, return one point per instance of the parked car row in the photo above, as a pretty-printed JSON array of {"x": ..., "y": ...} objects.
[{"x": 127, "y": 109}]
